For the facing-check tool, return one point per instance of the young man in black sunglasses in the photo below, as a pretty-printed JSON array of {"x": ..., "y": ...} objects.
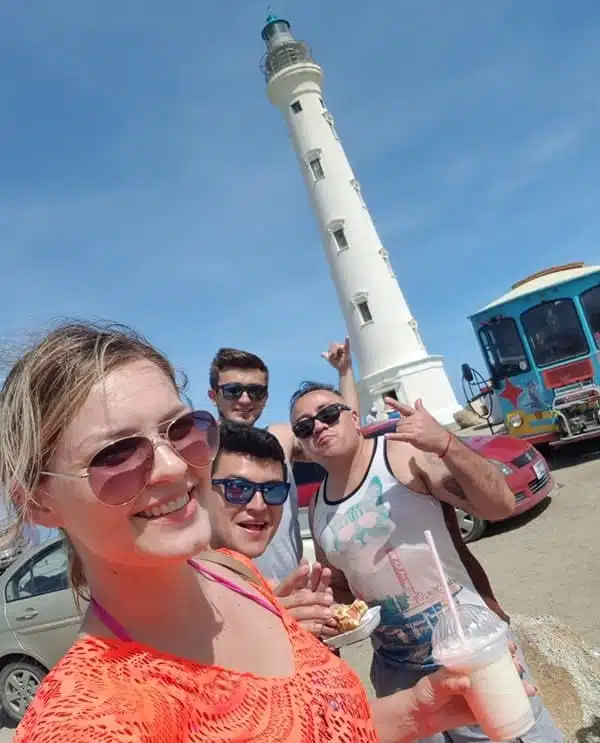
[
  {"x": 250, "y": 489},
  {"x": 368, "y": 520},
  {"x": 239, "y": 389}
]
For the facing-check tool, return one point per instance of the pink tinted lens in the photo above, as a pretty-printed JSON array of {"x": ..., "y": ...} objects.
[
  {"x": 119, "y": 472},
  {"x": 195, "y": 437}
]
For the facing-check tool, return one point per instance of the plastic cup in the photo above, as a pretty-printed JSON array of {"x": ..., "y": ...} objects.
[{"x": 496, "y": 697}]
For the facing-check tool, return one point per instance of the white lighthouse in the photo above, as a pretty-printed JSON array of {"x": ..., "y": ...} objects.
[{"x": 386, "y": 343}]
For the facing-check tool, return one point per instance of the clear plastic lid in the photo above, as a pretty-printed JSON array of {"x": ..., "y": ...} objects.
[{"x": 482, "y": 630}]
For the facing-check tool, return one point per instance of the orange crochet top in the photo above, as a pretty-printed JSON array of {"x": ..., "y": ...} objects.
[{"x": 114, "y": 691}]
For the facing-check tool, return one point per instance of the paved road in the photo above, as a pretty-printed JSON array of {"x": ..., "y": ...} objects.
[{"x": 544, "y": 563}]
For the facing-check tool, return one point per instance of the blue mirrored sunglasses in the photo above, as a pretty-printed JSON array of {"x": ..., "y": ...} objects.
[{"x": 239, "y": 492}]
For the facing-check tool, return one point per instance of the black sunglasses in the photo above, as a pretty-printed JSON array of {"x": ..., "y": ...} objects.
[
  {"x": 239, "y": 492},
  {"x": 330, "y": 415},
  {"x": 234, "y": 390}
]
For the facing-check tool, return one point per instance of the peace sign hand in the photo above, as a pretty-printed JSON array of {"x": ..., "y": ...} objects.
[
  {"x": 419, "y": 428},
  {"x": 338, "y": 355}
]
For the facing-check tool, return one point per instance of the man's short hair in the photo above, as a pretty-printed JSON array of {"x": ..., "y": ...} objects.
[
  {"x": 258, "y": 443},
  {"x": 307, "y": 387},
  {"x": 234, "y": 358}
]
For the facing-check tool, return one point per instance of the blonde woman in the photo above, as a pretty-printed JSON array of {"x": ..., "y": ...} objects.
[{"x": 95, "y": 440}]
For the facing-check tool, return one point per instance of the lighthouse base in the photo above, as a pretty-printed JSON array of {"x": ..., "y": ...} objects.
[{"x": 425, "y": 379}]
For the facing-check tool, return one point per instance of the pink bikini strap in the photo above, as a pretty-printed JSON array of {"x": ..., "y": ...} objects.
[
  {"x": 110, "y": 622},
  {"x": 121, "y": 633},
  {"x": 260, "y": 600}
]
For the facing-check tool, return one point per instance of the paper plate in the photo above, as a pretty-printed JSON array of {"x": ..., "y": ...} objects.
[{"x": 369, "y": 624}]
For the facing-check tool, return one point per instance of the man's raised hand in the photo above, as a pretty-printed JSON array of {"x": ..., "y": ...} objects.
[
  {"x": 339, "y": 356},
  {"x": 418, "y": 427}
]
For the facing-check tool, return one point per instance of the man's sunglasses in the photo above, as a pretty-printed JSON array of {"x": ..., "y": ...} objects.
[
  {"x": 330, "y": 415},
  {"x": 120, "y": 471},
  {"x": 234, "y": 390},
  {"x": 239, "y": 492}
]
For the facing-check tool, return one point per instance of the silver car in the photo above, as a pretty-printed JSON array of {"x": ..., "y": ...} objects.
[
  {"x": 10, "y": 547},
  {"x": 38, "y": 624}
]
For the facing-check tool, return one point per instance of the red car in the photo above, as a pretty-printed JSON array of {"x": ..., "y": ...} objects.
[{"x": 525, "y": 469}]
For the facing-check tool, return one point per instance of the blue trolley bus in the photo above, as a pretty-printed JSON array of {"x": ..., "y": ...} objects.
[{"x": 541, "y": 345}]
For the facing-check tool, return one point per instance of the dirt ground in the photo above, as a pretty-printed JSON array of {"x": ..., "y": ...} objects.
[{"x": 542, "y": 563}]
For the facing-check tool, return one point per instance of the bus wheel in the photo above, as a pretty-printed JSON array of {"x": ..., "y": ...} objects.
[{"x": 471, "y": 527}]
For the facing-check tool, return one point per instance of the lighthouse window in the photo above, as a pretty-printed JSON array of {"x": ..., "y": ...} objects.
[
  {"x": 296, "y": 107},
  {"x": 341, "y": 241},
  {"x": 554, "y": 331},
  {"x": 365, "y": 312},
  {"x": 317, "y": 168}
]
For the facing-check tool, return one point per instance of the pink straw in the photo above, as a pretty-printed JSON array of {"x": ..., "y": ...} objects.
[{"x": 449, "y": 597}]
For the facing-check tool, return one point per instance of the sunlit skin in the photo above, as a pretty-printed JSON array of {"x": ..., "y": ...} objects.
[
  {"x": 247, "y": 529},
  {"x": 327, "y": 441},
  {"x": 136, "y": 567},
  {"x": 243, "y": 410},
  {"x": 136, "y": 398}
]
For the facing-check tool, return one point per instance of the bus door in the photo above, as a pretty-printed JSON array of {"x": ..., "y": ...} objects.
[{"x": 525, "y": 402}]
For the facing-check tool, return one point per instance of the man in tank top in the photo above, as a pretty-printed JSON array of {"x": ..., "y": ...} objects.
[
  {"x": 239, "y": 389},
  {"x": 368, "y": 521}
]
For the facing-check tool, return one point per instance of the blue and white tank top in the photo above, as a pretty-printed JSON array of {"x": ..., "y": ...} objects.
[
  {"x": 375, "y": 536},
  {"x": 284, "y": 553}
]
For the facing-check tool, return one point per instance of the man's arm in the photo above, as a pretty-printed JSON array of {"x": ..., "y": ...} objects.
[
  {"x": 339, "y": 356},
  {"x": 467, "y": 480},
  {"x": 339, "y": 585},
  {"x": 284, "y": 434},
  {"x": 289, "y": 443},
  {"x": 452, "y": 471}
]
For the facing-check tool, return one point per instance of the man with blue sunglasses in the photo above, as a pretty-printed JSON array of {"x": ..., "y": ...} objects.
[
  {"x": 239, "y": 389},
  {"x": 250, "y": 488}
]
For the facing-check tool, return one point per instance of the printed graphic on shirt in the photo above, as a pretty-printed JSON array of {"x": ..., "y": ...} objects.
[
  {"x": 367, "y": 523},
  {"x": 391, "y": 570}
]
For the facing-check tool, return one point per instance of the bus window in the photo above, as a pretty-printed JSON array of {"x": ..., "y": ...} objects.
[
  {"x": 590, "y": 301},
  {"x": 503, "y": 348},
  {"x": 554, "y": 332}
]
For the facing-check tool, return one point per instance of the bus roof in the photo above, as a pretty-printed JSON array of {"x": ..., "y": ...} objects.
[{"x": 542, "y": 280}]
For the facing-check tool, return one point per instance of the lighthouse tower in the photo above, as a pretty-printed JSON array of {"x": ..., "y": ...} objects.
[{"x": 386, "y": 343}]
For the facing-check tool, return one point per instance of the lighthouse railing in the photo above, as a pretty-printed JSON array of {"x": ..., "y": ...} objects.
[{"x": 285, "y": 56}]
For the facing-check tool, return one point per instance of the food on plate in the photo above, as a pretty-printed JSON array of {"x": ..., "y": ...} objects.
[{"x": 349, "y": 616}]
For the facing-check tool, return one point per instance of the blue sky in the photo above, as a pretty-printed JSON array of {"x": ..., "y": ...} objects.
[{"x": 145, "y": 178}]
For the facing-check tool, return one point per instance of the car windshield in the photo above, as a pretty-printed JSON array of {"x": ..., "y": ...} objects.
[
  {"x": 554, "y": 332},
  {"x": 590, "y": 301},
  {"x": 503, "y": 348}
]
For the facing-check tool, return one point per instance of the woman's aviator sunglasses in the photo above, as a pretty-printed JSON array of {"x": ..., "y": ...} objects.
[
  {"x": 239, "y": 492},
  {"x": 120, "y": 471},
  {"x": 330, "y": 415}
]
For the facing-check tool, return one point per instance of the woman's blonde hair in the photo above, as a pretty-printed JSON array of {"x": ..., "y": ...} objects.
[{"x": 44, "y": 390}]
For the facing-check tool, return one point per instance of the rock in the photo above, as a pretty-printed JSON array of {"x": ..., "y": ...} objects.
[
  {"x": 466, "y": 418},
  {"x": 566, "y": 672}
]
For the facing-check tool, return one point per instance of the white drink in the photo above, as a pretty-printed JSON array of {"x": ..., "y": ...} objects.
[{"x": 496, "y": 697}]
